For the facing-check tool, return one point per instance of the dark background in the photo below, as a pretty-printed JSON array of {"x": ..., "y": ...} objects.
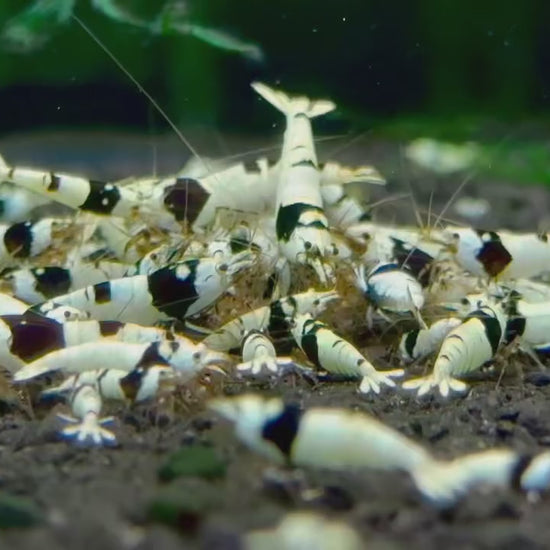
[{"x": 381, "y": 61}]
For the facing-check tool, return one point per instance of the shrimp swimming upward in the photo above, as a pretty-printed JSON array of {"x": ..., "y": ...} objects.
[{"x": 301, "y": 224}]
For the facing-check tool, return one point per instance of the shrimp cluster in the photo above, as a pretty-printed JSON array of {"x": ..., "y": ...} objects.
[{"x": 146, "y": 283}]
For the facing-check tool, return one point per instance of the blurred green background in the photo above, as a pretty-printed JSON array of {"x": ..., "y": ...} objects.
[{"x": 455, "y": 70}]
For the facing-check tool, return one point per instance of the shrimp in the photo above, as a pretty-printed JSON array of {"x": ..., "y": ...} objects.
[
  {"x": 465, "y": 349},
  {"x": 301, "y": 224},
  {"x": 328, "y": 351}
]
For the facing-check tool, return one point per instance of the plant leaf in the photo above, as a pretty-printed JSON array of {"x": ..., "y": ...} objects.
[{"x": 34, "y": 26}]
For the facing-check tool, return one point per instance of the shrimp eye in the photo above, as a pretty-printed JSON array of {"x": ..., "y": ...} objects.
[
  {"x": 223, "y": 267},
  {"x": 316, "y": 302},
  {"x": 456, "y": 236},
  {"x": 464, "y": 301},
  {"x": 307, "y": 245},
  {"x": 196, "y": 356},
  {"x": 174, "y": 346},
  {"x": 67, "y": 314},
  {"x": 154, "y": 257}
]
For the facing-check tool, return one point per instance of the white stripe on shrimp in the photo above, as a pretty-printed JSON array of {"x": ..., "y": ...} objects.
[
  {"x": 465, "y": 349},
  {"x": 332, "y": 353}
]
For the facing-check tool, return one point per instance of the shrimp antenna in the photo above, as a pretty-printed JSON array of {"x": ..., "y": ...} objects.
[{"x": 141, "y": 89}]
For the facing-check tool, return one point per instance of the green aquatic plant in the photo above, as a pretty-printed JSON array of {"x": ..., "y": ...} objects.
[{"x": 34, "y": 26}]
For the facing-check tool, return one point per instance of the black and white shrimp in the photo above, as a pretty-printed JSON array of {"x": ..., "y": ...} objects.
[
  {"x": 86, "y": 392},
  {"x": 184, "y": 357},
  {"x": 38, "y": 284},
  {"x": 301, "y": 224},
  {"x": 444, "y": 482},
  {"x": 28, "y": 337},
  {"x": 328, "y": 351},
  {"x": 109, "y": 354},
  {"x": 86, "y": 427},
  {"x": 175, "y": 291},
  {"x": 165, "y": 201},
  {"x": 501, "y": 255},
  {"x": 465, "y": 349},
  {"x": 271, "y": 319},
  {"x": 340, "y": 439},
  {"x": 384, "y": 243},
  {"x": 390, "y": 288},
  {"x": 259, "y": 355},
  {"x": 320, "y": 437},
  {"x": 27, "y": 239}
]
